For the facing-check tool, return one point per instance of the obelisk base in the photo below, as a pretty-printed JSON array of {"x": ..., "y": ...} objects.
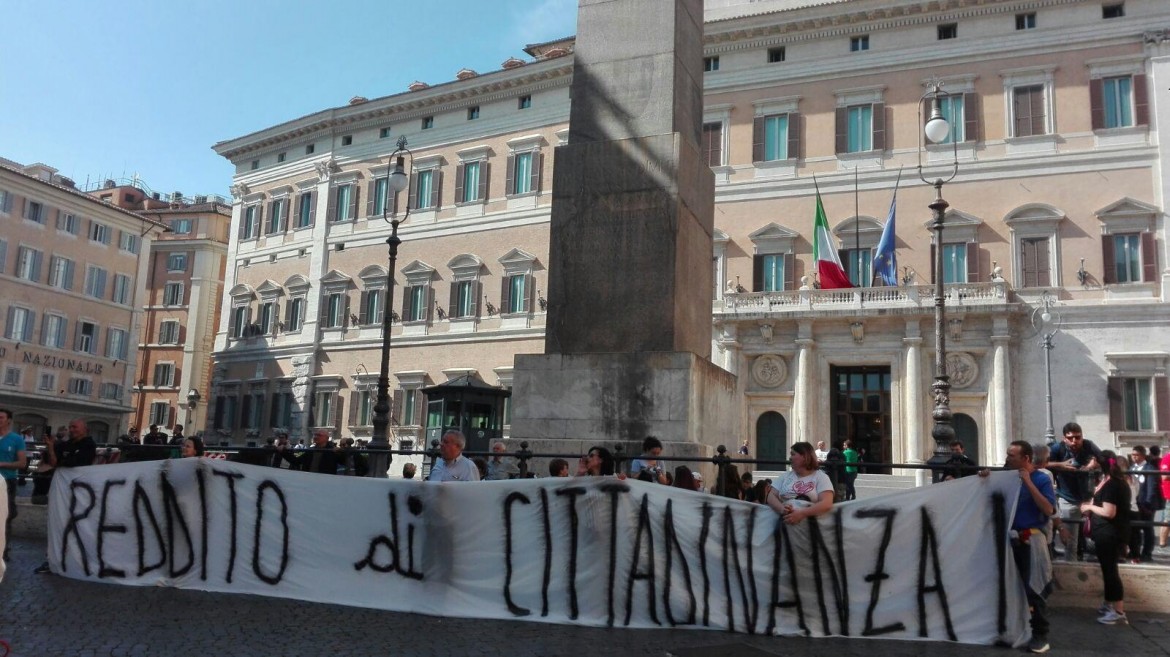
[{"x": 568, "y": 403}]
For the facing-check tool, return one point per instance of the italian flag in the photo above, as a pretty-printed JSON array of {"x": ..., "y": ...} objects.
[{"x": 832, "y": 274}]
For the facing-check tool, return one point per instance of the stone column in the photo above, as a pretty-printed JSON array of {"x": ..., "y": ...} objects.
[
  {"x": 802, "y": 398},
  {"x": 1001, "y": 377},
  {"x": 1157, "y": 47},
  {"x": 913, "y": 444}
]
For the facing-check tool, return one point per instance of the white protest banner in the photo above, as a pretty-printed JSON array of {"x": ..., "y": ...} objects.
[{"x": 930, "y": 563}]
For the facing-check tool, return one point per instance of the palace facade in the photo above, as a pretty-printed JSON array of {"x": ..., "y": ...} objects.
[{"x": 1056, "y": 108}]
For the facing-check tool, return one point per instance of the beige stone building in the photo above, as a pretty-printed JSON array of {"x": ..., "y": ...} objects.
[
  {"x": 72, "y": 283},
  {"x": 185, "y": 285},
  {"x": 1055, "y": 109}
]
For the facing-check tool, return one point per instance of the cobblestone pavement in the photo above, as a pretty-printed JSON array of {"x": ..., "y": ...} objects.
[{"x": 49, "y": 616}]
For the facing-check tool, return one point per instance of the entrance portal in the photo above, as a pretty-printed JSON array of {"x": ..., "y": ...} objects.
[
  {"x": 861, "y": 413},
  {"x": 771, "y": 440}
]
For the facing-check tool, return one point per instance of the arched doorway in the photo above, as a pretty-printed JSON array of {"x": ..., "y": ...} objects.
[
  {"x": 32, "y": 420},
  {"x": 771, "y": 440},
  {"x": 967, "y": 432}
]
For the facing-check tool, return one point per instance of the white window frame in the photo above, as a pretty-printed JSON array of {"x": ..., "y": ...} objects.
[
  {"x": 95, "y": 281},
  {"x": 25, "y": 324},
  {"x": 117, "y": 351},
  {"x": 54, "y": 338},
  {"x": 167, "y": 369},
  {"x": 720, "y": 114},
  {"x": 99, "y": 233},
  {"x": 91, "y": 347},
  {"x": 169, "y": 331},
  {"x": 1035, "y": 221},
  {"x": 1027, "y": 77},
  {"x": 110, "y": 390},
  {"x": 170, "y": 298},
  {"x": 129, "y": 242},
  {"x": 80, "y": 386},
  {"x": 177, "y": 261},
  {"x": 122, "y": 291},
  {"x": 68, "y": 223},
  {"x": 161, "y": 418},
  {"x": 28, "y": 263},
  {"x": 47, "y": 381},
  {"x": 61, "y": 272}
]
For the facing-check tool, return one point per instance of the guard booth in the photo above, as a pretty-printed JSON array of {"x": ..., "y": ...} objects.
[{"x": 469, "y": 405}]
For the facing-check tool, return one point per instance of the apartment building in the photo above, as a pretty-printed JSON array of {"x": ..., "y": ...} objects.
[
  {"x": 72, "y": 284},
  {"x": 185, "y": 284},
  {"x": 1059, "y": 194}
]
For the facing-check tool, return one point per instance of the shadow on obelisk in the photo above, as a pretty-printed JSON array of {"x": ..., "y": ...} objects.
[{"x": 628, "y": 336}]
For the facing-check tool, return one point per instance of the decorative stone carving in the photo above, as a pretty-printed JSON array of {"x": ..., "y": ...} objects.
[
  {"x": 326, "y": 169},
  {"x": 769, "y": 371},
  {"x": 766, "y": 333},
  {"x": 239, "y": 190},
  {"x": 1156, "y": 37},
  {"x": 962, "y": 369}
]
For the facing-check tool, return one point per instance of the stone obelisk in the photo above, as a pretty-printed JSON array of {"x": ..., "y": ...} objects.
[{"x": 628, "y": 336}]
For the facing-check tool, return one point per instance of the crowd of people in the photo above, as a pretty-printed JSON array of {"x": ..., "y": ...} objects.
[{"x": 1073, "y": 495}]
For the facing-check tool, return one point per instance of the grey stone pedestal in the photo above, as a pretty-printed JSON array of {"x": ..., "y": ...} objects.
[{"x": 606, "y": 399}]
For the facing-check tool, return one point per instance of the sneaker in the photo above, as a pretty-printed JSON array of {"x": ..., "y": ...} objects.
[
  {"x": 1112, "y": 617},
  {"x": 42, "y": 569},
  {"x": 1038, "y": 645},
  {"x": 1104, "y": 608}
]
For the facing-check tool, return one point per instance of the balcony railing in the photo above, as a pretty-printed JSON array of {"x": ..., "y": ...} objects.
[{"x": 910, "y": 296}]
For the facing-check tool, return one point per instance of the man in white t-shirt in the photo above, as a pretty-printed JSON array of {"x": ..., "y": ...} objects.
[
  {"x": 822, "y": 452},
  {"x": 453, "y": 466}
]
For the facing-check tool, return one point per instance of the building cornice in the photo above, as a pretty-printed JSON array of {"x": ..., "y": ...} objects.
[
  {"x": 831, "y": 20},
  {"x": 486, "y": 88}
]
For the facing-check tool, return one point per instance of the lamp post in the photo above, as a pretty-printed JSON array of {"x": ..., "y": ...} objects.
[
  {"x": 1048, "y": 323},
  {"x": 935, "y": 130},
  {"x": 397, "y": 181}
]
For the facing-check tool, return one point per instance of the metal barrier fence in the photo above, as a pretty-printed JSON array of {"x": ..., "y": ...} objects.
[{"x": 523, "y": 458}]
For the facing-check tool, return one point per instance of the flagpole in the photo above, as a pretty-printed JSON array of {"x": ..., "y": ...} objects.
[
  {"x": 873, "y": 277},
  {"x": 856, "y": 224}
]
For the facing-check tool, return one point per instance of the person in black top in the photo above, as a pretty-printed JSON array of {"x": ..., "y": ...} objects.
[
  {"x": 959, "y": 465},
  {"x": 1108, "y": 516},
  {"x": 155, "y": 437},
  {"x": 80, "y": 450},
  {"x": 321, "y": 458},
  {"x": 1149, "y": 503}
]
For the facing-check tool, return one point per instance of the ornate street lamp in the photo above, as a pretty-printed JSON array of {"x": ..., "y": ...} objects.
[
  {"x": 935, "y": 130},
  {"x": 397, "y": 181},
  {"x": 1047, "y": 322}
]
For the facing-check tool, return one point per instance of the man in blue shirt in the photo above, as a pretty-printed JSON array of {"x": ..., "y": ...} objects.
[
  {"x": 12, "y": 461},
  {"x": 1036, "y": 505}
]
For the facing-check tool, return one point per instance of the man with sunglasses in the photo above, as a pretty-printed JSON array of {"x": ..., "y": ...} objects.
[{"x": 1070, "y": 461}]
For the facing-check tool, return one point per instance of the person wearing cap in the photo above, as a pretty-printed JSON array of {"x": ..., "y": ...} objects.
[{"x": 698, "y": 477}]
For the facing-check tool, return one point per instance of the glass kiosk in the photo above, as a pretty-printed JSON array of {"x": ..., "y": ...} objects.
[{"x": 469, "y": 405}]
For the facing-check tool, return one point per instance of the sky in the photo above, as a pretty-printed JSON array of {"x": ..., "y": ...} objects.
[{"x": 116, "y": 88}]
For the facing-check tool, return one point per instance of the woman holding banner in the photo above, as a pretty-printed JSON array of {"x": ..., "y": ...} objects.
[{"x": 804, "y": 491}]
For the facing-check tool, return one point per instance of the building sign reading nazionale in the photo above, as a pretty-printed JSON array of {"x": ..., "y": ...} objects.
[{"x": 46, "y": 360}]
